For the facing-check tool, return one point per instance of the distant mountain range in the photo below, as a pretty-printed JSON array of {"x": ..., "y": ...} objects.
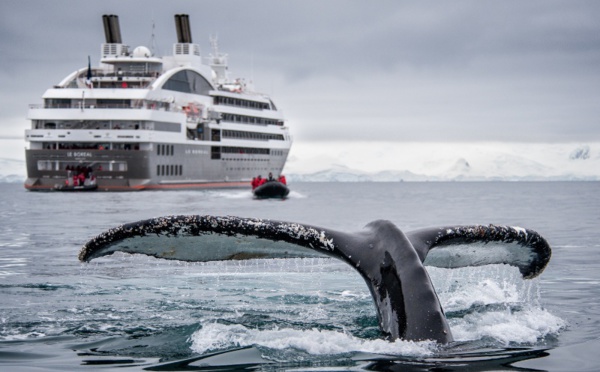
[{"x": 554, "y": 163}]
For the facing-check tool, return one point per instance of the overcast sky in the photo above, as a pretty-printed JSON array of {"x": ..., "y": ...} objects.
[{"x": 517, "y": 71}]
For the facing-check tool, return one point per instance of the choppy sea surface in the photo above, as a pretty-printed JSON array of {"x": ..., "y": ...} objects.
[{"x": 129, "y": 312}]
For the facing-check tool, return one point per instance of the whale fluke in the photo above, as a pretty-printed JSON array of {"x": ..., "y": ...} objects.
[
  {"x": 478, "y": 245},
  {"x": 390, "y": 261}
]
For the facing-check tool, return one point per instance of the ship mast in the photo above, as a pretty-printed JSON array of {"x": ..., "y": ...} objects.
[{"x": 218, "y": 63}]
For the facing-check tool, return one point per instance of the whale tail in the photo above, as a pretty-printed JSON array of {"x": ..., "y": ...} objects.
[{"x": 390, "y": 261}]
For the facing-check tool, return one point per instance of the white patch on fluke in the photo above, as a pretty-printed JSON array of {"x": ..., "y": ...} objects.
[{"x": 519, "y": 230}]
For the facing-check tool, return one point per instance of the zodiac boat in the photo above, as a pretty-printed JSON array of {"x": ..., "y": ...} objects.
[{"x": 272, "y": 189}]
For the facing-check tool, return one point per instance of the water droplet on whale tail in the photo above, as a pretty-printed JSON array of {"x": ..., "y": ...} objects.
[{"x": 392, "y": 265}]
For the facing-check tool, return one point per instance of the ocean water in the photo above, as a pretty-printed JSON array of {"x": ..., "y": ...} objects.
[{"x": 127, "y": 312}]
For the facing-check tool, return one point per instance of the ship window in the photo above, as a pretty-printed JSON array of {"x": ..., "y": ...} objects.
[
  {"x": 45, "y": 165},
  {"x": 158, "y": 170},
  {"x": 57, "y": 103},
  {"x": 188, "y": 81},
  {"x": 113, "y": 103},
  {"x": 215, "y": 152}
]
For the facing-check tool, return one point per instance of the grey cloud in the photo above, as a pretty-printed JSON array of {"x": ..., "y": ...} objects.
[{"x": 459, "y": 70}]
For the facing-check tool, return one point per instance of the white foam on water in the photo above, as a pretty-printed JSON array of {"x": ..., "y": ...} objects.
[
  {"x": 296, "y": 195},
  {"x": 215, "y": 336},
  {"x": 527, "y": 326},
  {"x": 23, "y": 336},
  {"x": 489, "y": 302},
  {"x": 231, "y": 194}
]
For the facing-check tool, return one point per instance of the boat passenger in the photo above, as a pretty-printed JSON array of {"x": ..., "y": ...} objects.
[
  {"x": 254, "y": 183},
  {"x": 270, "y": 177},
  {"x": 282, "y": 179}
]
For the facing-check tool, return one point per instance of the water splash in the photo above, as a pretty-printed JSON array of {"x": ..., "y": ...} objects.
[
  {"x": 494, "y": 302},
  {"x": 215, "y": 336}
]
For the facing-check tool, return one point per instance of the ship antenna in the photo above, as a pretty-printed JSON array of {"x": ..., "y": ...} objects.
[
  {"x": 153, "y": 47},
  {"x": 214, "y": 44}
]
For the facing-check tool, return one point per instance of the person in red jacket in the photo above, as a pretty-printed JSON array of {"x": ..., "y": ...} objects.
[
  {"x": 254, "y": 183},
  {"x": 282, "y": 179}
]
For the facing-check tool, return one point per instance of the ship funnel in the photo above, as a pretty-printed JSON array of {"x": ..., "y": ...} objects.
[
  {"x": 182, "y": 24},
  {"x": 112, "y": 31}
]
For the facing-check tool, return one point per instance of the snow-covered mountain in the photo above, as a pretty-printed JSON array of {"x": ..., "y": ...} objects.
[
  {"x": 12, "y": 170},
  {"x": 445, "y": 162}
]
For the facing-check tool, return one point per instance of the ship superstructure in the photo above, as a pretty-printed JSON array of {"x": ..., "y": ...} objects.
[{"x": 138, "y": 121}]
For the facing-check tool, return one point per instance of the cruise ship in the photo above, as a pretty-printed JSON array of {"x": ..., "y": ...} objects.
[{"x": 139, "y": 122}]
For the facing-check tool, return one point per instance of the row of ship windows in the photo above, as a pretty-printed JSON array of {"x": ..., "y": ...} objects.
[
  {"x": 219, "y": 100},
  {"x": 165, "y": 150},
  {"x": 236, "y": 134},
  {"x": 243, "y": 150},
  {"x": 254, "y": 160},
  {"x": 169, "y": 150},
  {"x": 107, "y": 125},
  {"x": 239, "y": 150},
  {"x": 89, "y": 146},
  {"x": 172, "y": 84},
  {"x": 144, "y": 125},
  {"x": 249, "y": 119},
  {"x": 177, "y": 170},
  {"x": 76, "y": 167},
  {"x": 165, "y": 170},
  {"x": 169, "y": 170}
]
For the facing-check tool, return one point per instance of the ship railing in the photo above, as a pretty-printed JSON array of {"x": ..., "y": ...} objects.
[
  {"x": 39, "y": 106},
  {"x": 73, "y": 125},
  {"x": 99, "y": 74}
]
